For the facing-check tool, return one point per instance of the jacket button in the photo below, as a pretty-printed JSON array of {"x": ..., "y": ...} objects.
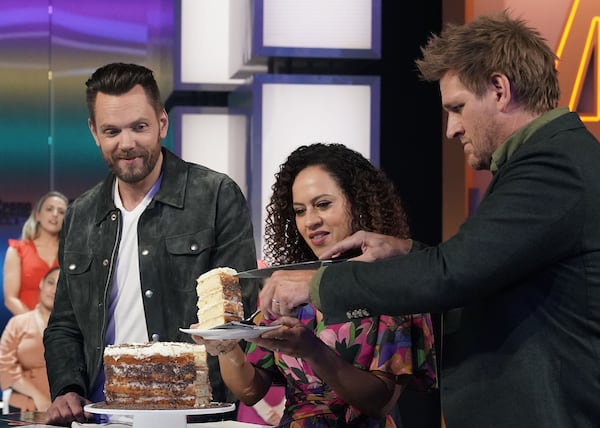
[
  {"x": 113, "y": 216},
  {"x": 194, "y": 247},
  {"x": 145, "y": 252},
  {"x": 72, "y": 266},
  {"x": 155, "y": 337},
  {"x": 105, "y": 262},
  {"x": 149, "y": 293}
]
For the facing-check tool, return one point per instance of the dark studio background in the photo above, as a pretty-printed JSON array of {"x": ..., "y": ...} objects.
[{"x": 411, "y": 135}]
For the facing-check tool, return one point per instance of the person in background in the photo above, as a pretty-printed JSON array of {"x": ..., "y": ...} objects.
[
  {"x": 132, "y": 246},
  {"x": 521, "y": 277},
  {"x": 348, "y": 373},
  {"x": 22, "y": 364},
  {"x": 27, "y": 260}
]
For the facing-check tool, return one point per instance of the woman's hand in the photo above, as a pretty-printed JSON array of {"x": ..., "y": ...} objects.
[
  {"x": 42, "y": 401},
  {"x": 292, "y": 338},
  {"x": 215, "y": 346}
]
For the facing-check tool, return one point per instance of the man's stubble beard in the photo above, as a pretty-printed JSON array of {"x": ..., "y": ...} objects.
[
  {"x": 480, "y": 158},
  {"x": 133, "y": 175}
]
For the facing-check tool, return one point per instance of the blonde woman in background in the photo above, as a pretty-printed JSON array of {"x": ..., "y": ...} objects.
[
  {"x": 22, "y": 363},
  {"x": 28, "y": 259}
]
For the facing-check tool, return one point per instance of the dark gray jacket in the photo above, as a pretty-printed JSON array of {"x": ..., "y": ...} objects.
[
  {"x": 198, "y": 220},
  {"x": 524, "y": 351}
]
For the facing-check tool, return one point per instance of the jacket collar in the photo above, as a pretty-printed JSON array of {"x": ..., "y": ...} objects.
[{"x": 506, "y": 149}]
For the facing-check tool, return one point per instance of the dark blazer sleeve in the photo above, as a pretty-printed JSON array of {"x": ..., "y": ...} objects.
[{"x": 532, "y": 216}]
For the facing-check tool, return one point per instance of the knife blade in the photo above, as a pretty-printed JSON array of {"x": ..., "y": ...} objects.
[{"x": 266, "y": 272}]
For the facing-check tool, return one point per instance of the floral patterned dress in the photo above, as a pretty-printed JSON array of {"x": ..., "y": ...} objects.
[{"x": 402, "y": 346}]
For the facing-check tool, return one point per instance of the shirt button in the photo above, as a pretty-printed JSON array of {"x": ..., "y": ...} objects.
[{"x": 149, "y": 293}]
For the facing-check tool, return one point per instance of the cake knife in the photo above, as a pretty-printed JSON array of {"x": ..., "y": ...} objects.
[{"x": 266, "y": 272}]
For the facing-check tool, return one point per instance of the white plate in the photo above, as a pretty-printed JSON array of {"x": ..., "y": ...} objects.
[
  {"x": 104, "y": 409},
  {"x": 159, "y": 418},
  {"x": 230, "y": 333}
]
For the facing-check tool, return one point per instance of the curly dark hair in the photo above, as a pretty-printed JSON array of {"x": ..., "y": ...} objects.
[{"x": 374, "y": 202}]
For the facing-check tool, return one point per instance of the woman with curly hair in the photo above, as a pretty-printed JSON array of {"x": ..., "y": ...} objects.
[
  {"x": 347, "y": 374},
  {"x": 372, "y": 200}
]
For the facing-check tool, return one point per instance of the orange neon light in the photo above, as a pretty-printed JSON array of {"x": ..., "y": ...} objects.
[
  {"x": 567, "y": 30},
  {"x": 580, "y": 47}
]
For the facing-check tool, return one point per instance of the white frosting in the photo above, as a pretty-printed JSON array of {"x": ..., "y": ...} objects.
[
  {"x": 216, "y": 271},
  {"x": 141, "y": 350}
]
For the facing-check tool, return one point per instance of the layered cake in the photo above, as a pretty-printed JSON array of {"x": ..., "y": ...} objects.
[
  {"x": 157, "y": 375},
  {"x": 219, "y": 298}
]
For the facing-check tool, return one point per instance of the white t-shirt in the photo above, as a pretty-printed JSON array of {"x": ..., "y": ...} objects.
[{"x": 127, "y": 320}]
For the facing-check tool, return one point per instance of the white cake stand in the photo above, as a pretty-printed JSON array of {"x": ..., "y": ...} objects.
[{"x": 172, "y": 418}]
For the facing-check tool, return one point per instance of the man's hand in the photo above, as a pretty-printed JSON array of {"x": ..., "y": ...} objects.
[
  {"x": 374, "y": 246},
  {"x": 284, "y": 291},
  {"x": 66, "y": 409}
]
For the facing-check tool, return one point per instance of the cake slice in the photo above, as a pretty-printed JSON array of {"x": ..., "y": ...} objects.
[{"x": 219, "y": 298}]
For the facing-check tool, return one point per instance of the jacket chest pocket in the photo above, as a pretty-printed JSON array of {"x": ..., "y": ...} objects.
[
  {"x": 77, "y": 263},
  {"x": 191, "y": 243},
  {"x": 84, "y": 285}
]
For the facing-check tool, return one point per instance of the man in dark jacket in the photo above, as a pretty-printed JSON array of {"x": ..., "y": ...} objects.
[
  {"x": 132, "y": 247},
  {"x": 521, "y": 278}
]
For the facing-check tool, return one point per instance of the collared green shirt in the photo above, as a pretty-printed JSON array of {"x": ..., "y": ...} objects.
[{"x": 505, "y": 151}]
